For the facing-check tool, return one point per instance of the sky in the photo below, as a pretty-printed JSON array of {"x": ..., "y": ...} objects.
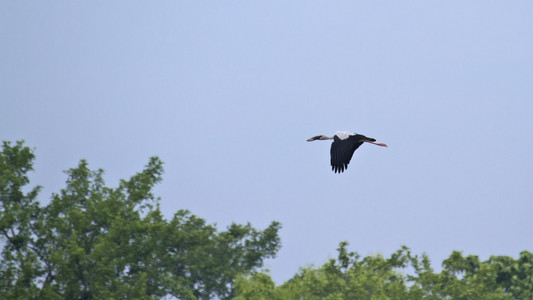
[{"x": 227, "y": 92}]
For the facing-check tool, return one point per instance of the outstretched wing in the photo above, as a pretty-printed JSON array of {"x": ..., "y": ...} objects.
[{"x": 342, "y": 151}]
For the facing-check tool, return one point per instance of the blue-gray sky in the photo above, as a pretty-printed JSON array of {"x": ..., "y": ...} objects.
[{"x": 227, "y": 92}]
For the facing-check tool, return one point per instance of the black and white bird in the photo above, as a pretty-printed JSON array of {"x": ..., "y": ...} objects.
[{"x": 344, "y": 145}]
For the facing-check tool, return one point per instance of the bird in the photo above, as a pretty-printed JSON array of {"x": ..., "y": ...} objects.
[{"x": 344, "y": 145}]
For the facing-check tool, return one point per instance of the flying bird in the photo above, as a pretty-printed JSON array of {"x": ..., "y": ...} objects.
[{"x": 344, "y": 145}]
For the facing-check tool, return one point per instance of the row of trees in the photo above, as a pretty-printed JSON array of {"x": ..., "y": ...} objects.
[
  {"x": 96, "y": 242},
  {"x": 402, "y": 276}
]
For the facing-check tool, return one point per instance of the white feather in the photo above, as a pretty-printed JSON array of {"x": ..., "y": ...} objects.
[{"x": 344, "y": 134}]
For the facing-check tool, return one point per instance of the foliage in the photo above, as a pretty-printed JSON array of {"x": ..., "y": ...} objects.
[
  {"x": 96, "y": 242},
  {"x": 351, "y": 276}
]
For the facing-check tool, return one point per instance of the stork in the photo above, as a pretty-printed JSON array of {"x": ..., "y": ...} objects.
[{"x": 344, "y": 145}]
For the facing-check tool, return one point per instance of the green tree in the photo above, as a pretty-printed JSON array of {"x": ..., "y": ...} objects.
[
  {"x": 500, "y": 277},
  {"x": 514, "y": 276},
  {"x": 352, "y": 277},
  {"x": 257, "y": 286},
  {"x": 96, "y": 242},
  {"x": 20, "y": 216},
  {"x": 402, "y": 276},
  {"x": 348, "y": 277},
  {"x": 461, "y": 278}
]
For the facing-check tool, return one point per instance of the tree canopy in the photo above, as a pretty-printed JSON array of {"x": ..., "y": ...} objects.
[
  {"x": 402, "y": 276},
  {"x": 96, "y": 242}
]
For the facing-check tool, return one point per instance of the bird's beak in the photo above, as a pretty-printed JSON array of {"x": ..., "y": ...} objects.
[{"x": 379, "y": 144}]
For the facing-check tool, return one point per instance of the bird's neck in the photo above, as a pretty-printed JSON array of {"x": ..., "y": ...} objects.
[
  {"x": 325, "y": 137},
  {"x": 319, "y": 137}
]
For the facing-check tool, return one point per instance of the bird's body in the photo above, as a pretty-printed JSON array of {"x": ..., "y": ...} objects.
[{"x": 344, "y": 145}]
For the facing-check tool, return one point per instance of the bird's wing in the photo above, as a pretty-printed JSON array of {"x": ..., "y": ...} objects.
[{"x": 342, "y": 151}]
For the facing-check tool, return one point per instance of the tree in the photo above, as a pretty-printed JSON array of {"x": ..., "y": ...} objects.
[
  {"x": 348, "y": 277},
  {"x": 351, "y": 276},
  {"x": 257, "y": 286},
  {"x": 96, "y": 242},
  {"x": 461, "y": 278},
  {"x": 514, "y": 276}
]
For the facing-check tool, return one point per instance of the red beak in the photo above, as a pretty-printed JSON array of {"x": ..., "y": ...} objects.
[{"x": 376, "y": 143}]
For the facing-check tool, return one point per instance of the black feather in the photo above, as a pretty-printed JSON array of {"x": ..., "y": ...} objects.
[{"x": 342, "y": 151}]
